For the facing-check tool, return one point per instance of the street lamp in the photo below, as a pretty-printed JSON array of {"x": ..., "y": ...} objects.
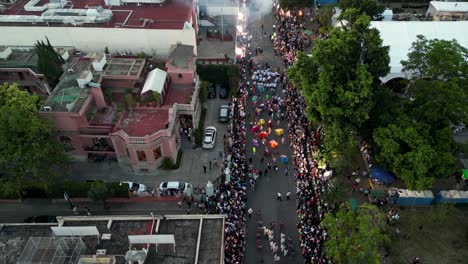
[{"x": 68, "y": 199}]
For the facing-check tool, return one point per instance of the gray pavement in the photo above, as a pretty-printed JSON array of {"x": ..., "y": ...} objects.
[
  {"x": 17, "y": 212},
  {"x": 263, "y": 198},
  {"x": 191, "y": 168}
]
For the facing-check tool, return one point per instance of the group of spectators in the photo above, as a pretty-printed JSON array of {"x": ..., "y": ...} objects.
[
  {"x": 310, "y": 179},
  {"x": 230, "y": 198}
]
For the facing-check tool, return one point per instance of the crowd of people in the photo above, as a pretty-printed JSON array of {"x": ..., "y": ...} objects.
[
  {"x": 230, "y": 198},
  {"x": 310, "y": 179}
]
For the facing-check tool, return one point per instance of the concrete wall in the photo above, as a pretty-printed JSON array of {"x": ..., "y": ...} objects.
[
  {"x": 220, "y": 10},
  {"x": 96, "y": 39}
]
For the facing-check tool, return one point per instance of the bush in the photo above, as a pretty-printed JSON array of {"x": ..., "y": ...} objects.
[
  {"x": 227, "y": 75},
  {"x": 198, "y": 133},
  {"x": 167, "y": 164},
  {"x": 7, "y": 190}
]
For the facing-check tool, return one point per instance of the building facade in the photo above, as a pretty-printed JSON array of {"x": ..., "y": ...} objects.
[
  {"x": 123, "y": 26},
  {"x": 114, "y": 108}
]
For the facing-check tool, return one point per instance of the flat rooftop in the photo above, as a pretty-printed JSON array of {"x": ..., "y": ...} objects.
[
  {"x": 180, "y": 94},
  {"x": 143, "y": 122},
  {"x": 20, "y": 57},
  {"x": 170, "y": 15},
  {"x": 67, "y": 96},
  {"x": 128, "y": 67},
  {"x": 185, "y": 228}
]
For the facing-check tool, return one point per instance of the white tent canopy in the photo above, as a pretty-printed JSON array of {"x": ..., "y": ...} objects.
[
  {"x": 75, "y": 231},
  {"x": 400, "y": 35},
  {"x": 441, "y": 6},
  {"x": 152, "y": 239},
  {"x": 155, "y": 81}
]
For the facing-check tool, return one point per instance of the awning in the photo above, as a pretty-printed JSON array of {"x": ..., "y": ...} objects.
[{"x": 155, "y": 81}]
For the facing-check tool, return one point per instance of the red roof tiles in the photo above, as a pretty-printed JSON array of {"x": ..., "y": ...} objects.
[{"x": 171, "y": 15}]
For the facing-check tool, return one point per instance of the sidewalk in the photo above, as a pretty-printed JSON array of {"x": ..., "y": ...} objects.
[{"x": 17, "y": 212}]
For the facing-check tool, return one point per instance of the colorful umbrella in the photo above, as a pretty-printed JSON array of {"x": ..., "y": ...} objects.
[
  {"x": 254, "y": 99},
  {"x": 255, "y": 142},
  {"x": 279, "y": 131},
  {"x": 284, "y": 159},
  {"x": 273, "y": 144},
  {"x": 263, "y": 134},
  {"x": 261, "y": 122},
  {"x": 255, "y": 129}
]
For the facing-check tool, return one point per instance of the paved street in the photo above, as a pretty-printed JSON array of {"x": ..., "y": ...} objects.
[
  {"x": 17, "y": 212},
  {"x": 266, "y": 189}
]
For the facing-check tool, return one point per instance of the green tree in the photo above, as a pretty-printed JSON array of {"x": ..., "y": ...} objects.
[
  {"x": 339, "y": 77},
  {"x": 99, "y": 192},
  {"x": 437, "y": 59},
  {"x": 295, "y": 4},
  {"x": 49, "y": 62},
  {"x": 405, "y": 147},
  {"x": 368, "y": 7},
  {"x": 355, "y": 236},
  {"x": 324, "y": 15},
  {"x": 30, "y": 156}
]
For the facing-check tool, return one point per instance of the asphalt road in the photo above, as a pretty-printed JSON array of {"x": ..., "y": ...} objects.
[{"x": 266, "y": 189}]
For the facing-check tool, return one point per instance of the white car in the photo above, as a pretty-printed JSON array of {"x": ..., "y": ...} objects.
[
  {"x": 179, "y": 186},
  {"x": 209, "y": 137},
  {"x": 133, "y": 186}
]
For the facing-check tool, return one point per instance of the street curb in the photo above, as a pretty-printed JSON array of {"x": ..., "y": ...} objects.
[
  {"x": 125, "y": 200},
  {"x": 112, "y": 200},
  {"x": 10, "y": 201}
]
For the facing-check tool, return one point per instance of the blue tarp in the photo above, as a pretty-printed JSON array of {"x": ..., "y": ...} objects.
[
  {"x": 325, "y": 2},
  {"x": 382, "y": 175}
]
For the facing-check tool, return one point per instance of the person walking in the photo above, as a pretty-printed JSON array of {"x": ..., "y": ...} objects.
[
  {"x": 278, "y": 197},
  {"x": 286, "y": 171},
  {"x": 254, "y": 150},
  {"x": 288, "y": 194},
  {"x": 250, "y": 212},
  {"x": 204, "y": 169}
]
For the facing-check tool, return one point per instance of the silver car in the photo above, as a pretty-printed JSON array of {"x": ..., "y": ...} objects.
[{"x": 209, "y": 137}]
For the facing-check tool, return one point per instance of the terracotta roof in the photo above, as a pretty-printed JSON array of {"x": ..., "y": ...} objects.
[
  {"x": 181, "y": 52},
  {"x": 170, "y": 15},
  {"x": 143, "y": 122}
]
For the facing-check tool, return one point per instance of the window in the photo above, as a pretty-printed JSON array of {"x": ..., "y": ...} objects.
[
  {"x": 67, "y": 144},
  {"x": 179, "y": 76},
  {"x": 141, "y": 155},
  {"x": 157, "y": 153}
]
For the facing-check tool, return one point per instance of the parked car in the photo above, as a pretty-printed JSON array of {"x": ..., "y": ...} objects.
[
  {"x": 223, "y": 92},
  {"x": 223, "y": 113},
  {"x": 133, "y": 186},
  {"x": 174, "y": 186},
  {"x": 41, "y": 219},
  {"x": 209, "y": 138},
  {"x": 211, "y": 92}
]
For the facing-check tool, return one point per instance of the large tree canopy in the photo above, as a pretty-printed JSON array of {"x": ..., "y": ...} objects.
[
  {"x": 437, "y": 59},
  {"x": 49, "y": 62},
  {"x": 338, "y": 79},
  {"x": 368, "y": 7},
  {"x": 354, "y": 237},
  {"x": 29, "y": 154}
]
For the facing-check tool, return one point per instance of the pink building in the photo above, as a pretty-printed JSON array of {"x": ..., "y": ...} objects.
[
  {"x": 19, "y": 65},
  {"x": 124, "y": 108}
]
